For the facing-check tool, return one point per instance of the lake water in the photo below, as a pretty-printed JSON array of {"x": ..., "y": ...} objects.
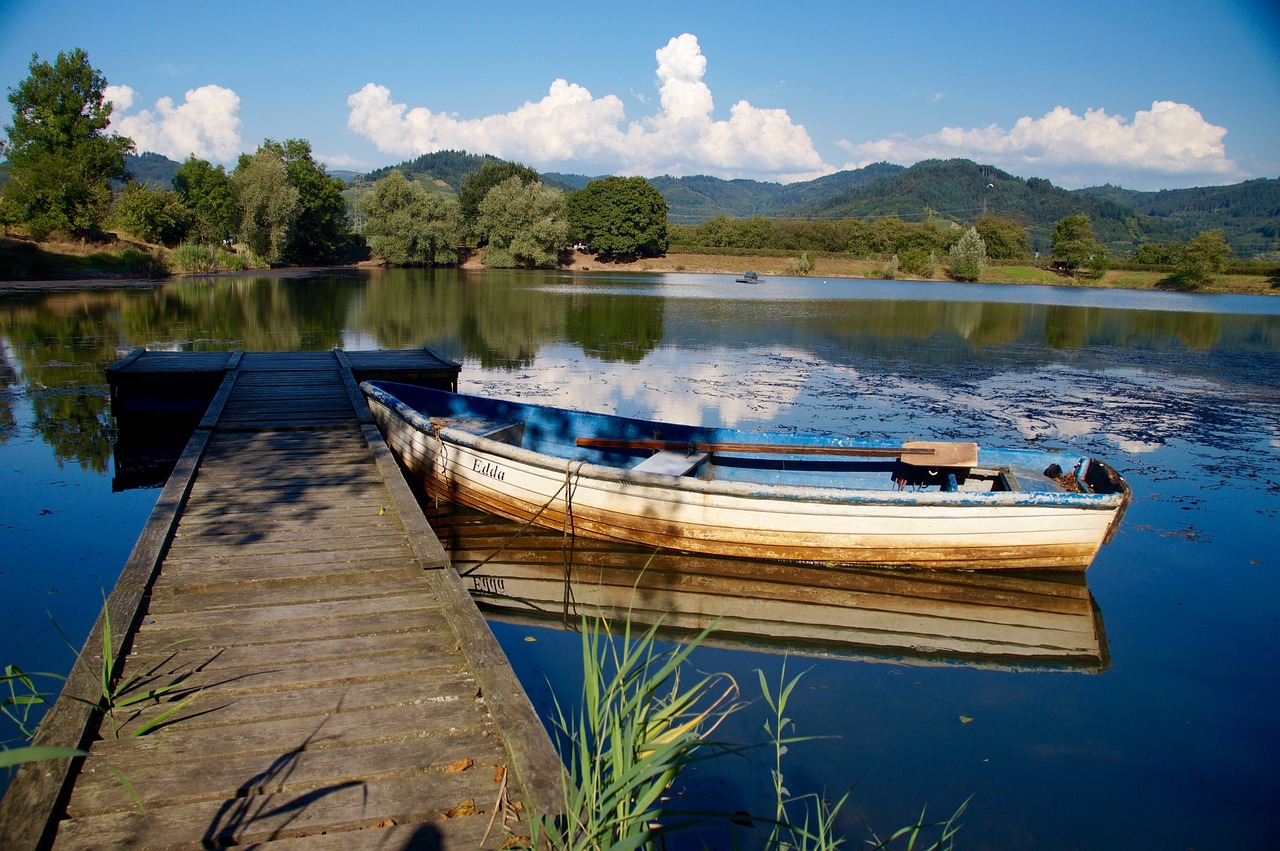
[{"x": 1170, "y": 743}]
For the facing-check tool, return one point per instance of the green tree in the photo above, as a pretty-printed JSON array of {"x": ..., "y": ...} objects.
[
  {"x": 754, "y": 233},
  {"x": 892, "y": 235},
  {"x": 523, "y": 225},
  {"x": 860, "y": 239},
  {"x": 1157, "y": 254},
  {"x": 408, "y": 225},
  {"x": 153, "y": 215},
  {"x": 476, "y": 186},
  {"x": 968, "y": 256},
  {"x": 715, "y": 232},
  {"x": 319, "y": 230},
  {"x": 60, "y": 155},
  {"x": 1006, "y": 239},
  {"x": 1203, "y": 257},
  {"x": 619, "y": 217},
  {"x": 1074, "y": 246},
  {"x": 268, "y": 204},
  {"x": 207, "y": 192}
]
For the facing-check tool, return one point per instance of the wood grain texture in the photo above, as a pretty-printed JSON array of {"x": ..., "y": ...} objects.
[{"x": 323, "y": 672}]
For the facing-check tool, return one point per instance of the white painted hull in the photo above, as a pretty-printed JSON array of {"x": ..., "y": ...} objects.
[{"x": 804, "y": 524}]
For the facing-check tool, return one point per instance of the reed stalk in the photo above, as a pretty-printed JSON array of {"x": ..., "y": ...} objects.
[
  {"x": 786, "y": 833},
  {"x": 116, "y": 694},
  {"x": 638, "y": 726},
  {"x": 18, "y": 706},
  {"x": 637, "y": 729}
]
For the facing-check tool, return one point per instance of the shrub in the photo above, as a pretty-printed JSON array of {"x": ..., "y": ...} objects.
[
  {"x": 888, "y": 271},
  {"x": 801, "y": 265},
  {"x": 192, "y": 257},
  {"x": 918, "y": 262},
  {"x": 153, "y": 215},
  {"x": 142, "y": 264}
]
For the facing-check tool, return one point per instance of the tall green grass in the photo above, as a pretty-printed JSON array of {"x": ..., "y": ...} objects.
[
  {"x": 637, "y": 728},
  {"x": 198, "y": 259},
  {"x": 640, "y": 726},
  {"x": 19, "y": 706}
]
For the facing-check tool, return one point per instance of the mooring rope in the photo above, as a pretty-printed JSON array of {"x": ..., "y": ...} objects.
[
  {"x": 566, "y": 545},
  {"x": 570, "y": 473}
]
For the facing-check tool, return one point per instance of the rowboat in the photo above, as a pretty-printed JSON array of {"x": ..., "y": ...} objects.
[
  {"x": 725, "y": 492},
  {"x": 1022, "y": 620}
]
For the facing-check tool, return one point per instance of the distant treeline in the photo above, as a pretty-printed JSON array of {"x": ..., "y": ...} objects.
[{"x": 815, "y": 214}]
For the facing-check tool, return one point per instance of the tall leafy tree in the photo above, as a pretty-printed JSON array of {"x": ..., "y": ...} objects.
[
  {"x": 291, "y": 210},
  {"x": 477, "y": 185},
  {"x": 60, "y": 154},
  {"x": 522, "y": 224},
  {"x": 1074, "y": 246},
  {"x": 407, "y": 225},
  {"x": 619, "y": 217},
  {"x": 320, "y": 229},
  {"x": 268, "y": 203},
  {"x": 1203, "y": 257},
  {"x": 206, "y": 190},
  {"x": 1005, "y": 238}
]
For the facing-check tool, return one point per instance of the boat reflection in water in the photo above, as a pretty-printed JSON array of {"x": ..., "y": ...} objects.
[{"x": 1018, "y": 620}]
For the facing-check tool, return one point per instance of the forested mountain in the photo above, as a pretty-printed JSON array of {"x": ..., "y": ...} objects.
[
  {"x": 961, "y": 191},
  {"x": 156, "y": 169},
  {"x": 452, "y": 167},
  {"x": 1248, "y": 213}
]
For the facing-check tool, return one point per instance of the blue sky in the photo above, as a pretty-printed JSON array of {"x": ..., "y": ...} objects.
[{"x": 1143, "y": 95}]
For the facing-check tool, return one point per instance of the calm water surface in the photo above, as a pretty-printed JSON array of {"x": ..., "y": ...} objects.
[{"x": 1173, "y": 745}]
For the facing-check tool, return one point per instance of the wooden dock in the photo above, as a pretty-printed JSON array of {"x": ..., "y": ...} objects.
[{"x": 345, "y": 690}]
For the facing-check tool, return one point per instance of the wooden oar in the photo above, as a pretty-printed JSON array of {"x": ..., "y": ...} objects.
[{"x": 931, "y": 453}]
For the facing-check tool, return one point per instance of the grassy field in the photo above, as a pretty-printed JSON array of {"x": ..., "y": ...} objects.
[{"x": 841, "y": 267}]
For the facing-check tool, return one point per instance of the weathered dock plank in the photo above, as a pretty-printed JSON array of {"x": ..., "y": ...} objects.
[{"x": 325, "y": 678}]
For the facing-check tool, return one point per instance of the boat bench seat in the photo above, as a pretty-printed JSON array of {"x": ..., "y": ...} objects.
[
  {"x": 512, "y": 433},
  {"x": 671, "y": 462}
]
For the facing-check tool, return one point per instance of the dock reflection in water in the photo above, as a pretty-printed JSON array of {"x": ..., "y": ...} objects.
[{"x": 1019, "y": 620}]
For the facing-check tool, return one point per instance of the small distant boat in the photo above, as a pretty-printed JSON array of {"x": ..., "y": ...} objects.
[
  {"x": 749, "y": 278},
  {"x": 783, "y": 497}
]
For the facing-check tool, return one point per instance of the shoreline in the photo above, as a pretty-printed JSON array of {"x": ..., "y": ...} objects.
[
  {"x": 711, "y": 264},
  {"x": 860, "y": 269}
]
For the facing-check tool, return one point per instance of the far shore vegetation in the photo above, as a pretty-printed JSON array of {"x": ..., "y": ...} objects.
[
  {"x": 72, "y": 209},
  {"x": 117, "y": 257}
]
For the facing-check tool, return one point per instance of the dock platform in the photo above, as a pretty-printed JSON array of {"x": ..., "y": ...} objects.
[{"x": 334, "y": 684}]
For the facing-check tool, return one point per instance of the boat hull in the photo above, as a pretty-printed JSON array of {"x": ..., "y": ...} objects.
[{"x": 968, "y": 531}]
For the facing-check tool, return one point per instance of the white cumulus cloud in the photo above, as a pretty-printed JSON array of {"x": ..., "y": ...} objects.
[
  {"x": 206, "y": 123},
  {"x": 1170, "y": 141},
  {"x": 571, "y": 126}
]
